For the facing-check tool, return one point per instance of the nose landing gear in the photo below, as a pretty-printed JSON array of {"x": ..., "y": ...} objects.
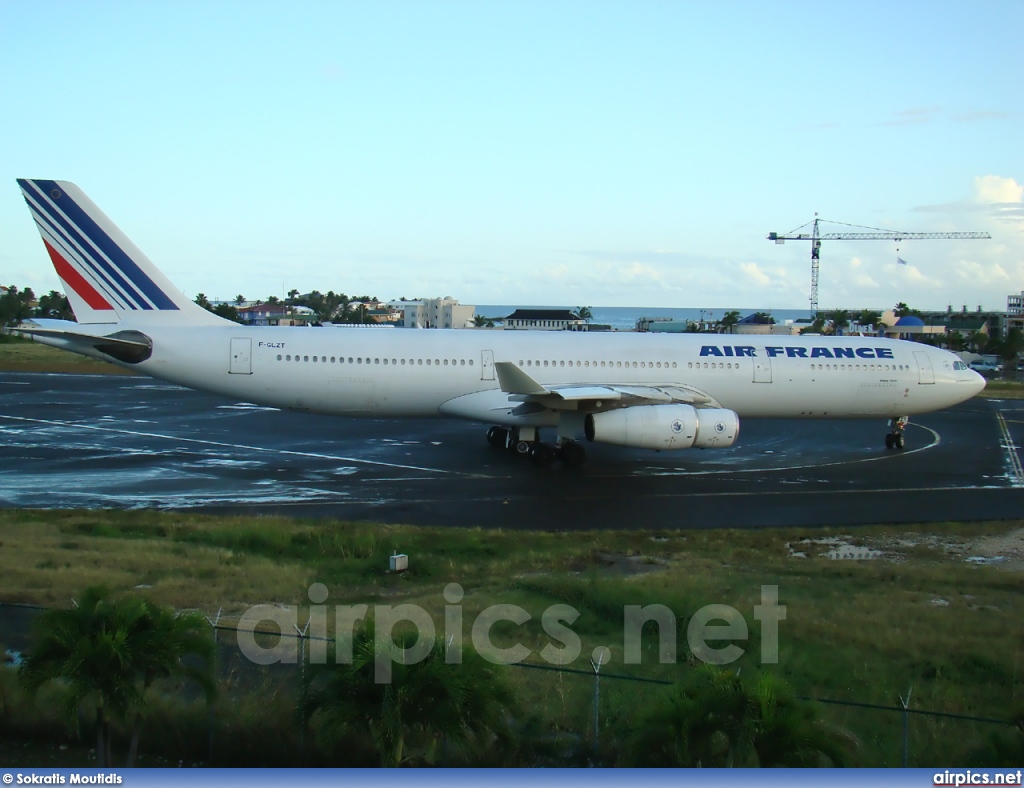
[{"x": 894, "y": 439}]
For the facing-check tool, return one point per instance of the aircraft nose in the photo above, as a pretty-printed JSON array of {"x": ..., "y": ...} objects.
[{"x": 978, "y": 383}]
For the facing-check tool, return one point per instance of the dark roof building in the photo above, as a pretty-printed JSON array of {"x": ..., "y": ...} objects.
[{"x": 543, "y": 319}]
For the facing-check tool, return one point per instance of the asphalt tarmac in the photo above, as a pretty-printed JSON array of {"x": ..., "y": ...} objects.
[{"x": 69, "y": 441}]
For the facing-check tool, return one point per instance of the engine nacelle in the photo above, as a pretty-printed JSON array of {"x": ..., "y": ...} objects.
[{"x": 664, "y": 427}]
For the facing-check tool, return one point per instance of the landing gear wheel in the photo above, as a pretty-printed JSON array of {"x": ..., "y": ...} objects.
[
  {"x": 573, "y": 454},
  {"x": 895, "y": 440},
  {"x": 522, "y": 448},
  {"x": 497, "y": 437},
  {"x": 541, "y": 454}
]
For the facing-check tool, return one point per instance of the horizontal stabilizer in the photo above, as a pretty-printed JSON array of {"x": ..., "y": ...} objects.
[{"x": 130, "y": 347}]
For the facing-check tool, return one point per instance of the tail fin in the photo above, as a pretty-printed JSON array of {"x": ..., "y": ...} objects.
[{"x": 106, "y": 278}]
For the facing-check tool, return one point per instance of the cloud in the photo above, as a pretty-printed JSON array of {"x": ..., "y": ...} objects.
[
  {"x": 754, "y": 273},
  {"x": 979, "y": 115},
  {"x": 1000, "y": 198},
  {"x": 914, "y": 116},
  {"x": 994, "y": 189},
  {"x": 976, "y": 273}
]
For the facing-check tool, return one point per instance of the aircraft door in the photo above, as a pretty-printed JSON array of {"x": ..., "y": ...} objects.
[
  {"x": 762, "y": 369},
  {"x": 925, "y": 373},
  {"x": 486, "y": 365},
  {"x": 241, "y": 356}
]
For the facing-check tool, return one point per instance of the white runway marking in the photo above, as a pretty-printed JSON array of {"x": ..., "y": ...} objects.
[
  {"x": 1017, "y": 471},
  {"x": 240, "y": 446}
]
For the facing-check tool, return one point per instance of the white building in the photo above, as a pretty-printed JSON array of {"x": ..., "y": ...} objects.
[
  {"x": 1015, "y": 304},
  {"x": 444, "y": 312}
]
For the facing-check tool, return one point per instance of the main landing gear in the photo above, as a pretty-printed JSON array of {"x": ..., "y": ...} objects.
[
  {"x": 894, "y": 440},
  {"x": 525, "y": 442}
]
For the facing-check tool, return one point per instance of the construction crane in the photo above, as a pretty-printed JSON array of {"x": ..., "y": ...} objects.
[{"x": 816, "y": 237}]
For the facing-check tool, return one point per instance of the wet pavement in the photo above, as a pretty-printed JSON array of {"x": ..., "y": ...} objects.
[{"x": 71, "y": 441}]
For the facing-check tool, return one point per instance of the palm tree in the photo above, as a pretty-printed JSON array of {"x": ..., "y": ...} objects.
[
  {"x": 977, "y": 341},
  {"x": 584, "y": 313},
  {"x": 729, "y": 319},
  {"x": 787, "y": 732},
  {"x": 108, "y": 652},
  {"x": 426, "y": 704},
  {"x": 839, "y": 319},
  {"x": 169, "y": 642},
  {"x": 239, "y": 300},
  {"x": 204, "y": 302},
  {"x": 869, "y": 318},
  {"x": 817, "y": 327},
  {"x": 89, "y": 648},
  {"x": 717, "y": 718}
]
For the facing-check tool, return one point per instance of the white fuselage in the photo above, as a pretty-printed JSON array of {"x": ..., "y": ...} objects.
[{"x": 419, "y": 373}]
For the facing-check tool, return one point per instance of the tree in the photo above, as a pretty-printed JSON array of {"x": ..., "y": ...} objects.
[
  {"x": 718, "y": 718},
  {"x": 977, "y": 340},
  {"x": 902, "y": 310},
  {"x": 55, "y": 305},
  {"x": 869, "y": 318},
  {"x": 16, "y": 305},
  {"x": 168, "y": 644},
  {"x": 728, "y": 321},
  {"x": 1013, "y": 345},
  {"x": 584, "y": 313},
  {"x": 426, "y": 705},
  {"x": 239, "y": 300},
  {"x": 204, "y": 302},
  {"x": 839, "y": 320},
  {"x": 108, "y": 652},
  {"x": 817, "y": 327},
  {"x": 955, "y": 341}
]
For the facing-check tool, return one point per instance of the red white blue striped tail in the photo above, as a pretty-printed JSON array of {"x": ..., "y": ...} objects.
[{"x": 106, "y": 277}]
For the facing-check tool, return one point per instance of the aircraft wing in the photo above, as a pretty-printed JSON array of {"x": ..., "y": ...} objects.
[{"x": 587, "y": 397}]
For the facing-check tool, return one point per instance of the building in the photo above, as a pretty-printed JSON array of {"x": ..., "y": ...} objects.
[
  {"x": 444, "y": 312},
  {"x": 545, "y": 320},
  {"x": 1015, "y": 304},
  {"x": 275, "y": 315}
]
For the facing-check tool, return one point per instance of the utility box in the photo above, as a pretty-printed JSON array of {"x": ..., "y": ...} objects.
[{"x": 399, "y": 562}]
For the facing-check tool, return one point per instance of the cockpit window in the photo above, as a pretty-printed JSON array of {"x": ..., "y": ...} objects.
[{"x": 960, "y": 365}]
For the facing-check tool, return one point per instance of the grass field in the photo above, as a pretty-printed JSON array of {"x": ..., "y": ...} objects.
[
  {"x": 22, "y": 355},
  {"x": 935, "y": 608}
]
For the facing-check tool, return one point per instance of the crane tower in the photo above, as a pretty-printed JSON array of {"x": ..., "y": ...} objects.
[{"x": 816, "y": 237}]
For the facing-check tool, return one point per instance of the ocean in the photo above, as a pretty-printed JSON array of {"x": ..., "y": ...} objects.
[{"x": 623, "y": 318}]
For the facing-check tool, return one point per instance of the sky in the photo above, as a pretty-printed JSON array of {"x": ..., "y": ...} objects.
[{"x": 537, "y": 153}]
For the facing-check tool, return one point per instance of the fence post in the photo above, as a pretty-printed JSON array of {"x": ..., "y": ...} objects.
[
  {"x": 302, "y": 689},
  {"x": 600, "y": 653},
  {"x": 212, "y": 713},
  {"x": 906, "y": 726}
]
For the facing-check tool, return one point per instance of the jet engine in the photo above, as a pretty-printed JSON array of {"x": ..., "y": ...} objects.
[{"x": 663, "y": 427}]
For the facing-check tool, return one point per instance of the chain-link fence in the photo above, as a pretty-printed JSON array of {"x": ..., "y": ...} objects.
[{"x": 576, "y": 716}]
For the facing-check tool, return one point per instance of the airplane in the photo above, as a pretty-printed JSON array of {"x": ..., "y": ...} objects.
[{"x": 651, "y": 391}]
